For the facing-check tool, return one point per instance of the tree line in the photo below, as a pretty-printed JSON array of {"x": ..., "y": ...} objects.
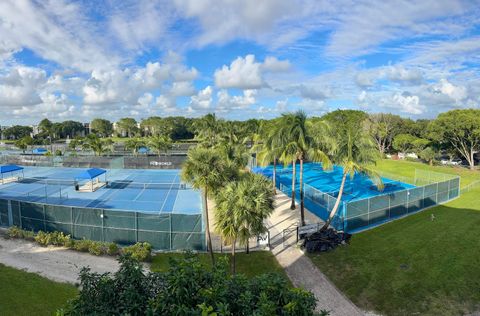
[{"x": 454, "y": 133}]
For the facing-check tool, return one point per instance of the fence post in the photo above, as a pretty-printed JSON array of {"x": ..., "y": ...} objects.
[
  {"x": 44, "y": 219},
  {"x": 171, "y": 235},
  {"x": 136, "y": 227},
  {"x": 10, "y": 213},
  {"x": 103, "y": 224},
  {"x": 71, "y": 222},
  {"x": 20, "y": 214}
]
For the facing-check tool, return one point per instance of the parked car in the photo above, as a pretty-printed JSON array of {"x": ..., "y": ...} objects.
[
  {"x": 453, "y": 162},
  {"x": 456, "y": 162}
]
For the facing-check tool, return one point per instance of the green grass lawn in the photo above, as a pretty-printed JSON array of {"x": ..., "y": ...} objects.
[
  {"x": 415, "y": 266},
  {"x": 252, "y": 264},
  {"x": 23, "y": 293}
]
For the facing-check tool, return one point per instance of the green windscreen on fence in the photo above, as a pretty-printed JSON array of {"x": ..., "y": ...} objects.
[
  {"x": 164, "y": 231},
  {"x": 369, "y": 212}
]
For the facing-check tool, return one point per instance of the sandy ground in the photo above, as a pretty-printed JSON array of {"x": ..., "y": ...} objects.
[{"x": 57, "y": 264}]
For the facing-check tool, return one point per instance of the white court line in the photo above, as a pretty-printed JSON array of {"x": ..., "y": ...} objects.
[{"x": 166, "y": 197}]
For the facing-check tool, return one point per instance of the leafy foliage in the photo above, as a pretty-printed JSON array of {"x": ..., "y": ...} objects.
[{"x": 186, "y": 289}]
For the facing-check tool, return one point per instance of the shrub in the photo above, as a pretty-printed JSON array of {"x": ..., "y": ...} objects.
[
  {"x": 15, "y": 232},
  {"x": 82, "y": 245},
  {"x": 141, "y": 251},
  {"x": 43, "y": 238},
  {"x": 112, "y": 249},
  {"x": 186, "y": 289},
  {"x": 96, "y": 248}
]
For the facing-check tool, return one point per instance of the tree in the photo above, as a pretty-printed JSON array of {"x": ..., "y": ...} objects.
[
  {"x": 97, "y": 145},
  {"x": 71, "y": 129},
  {"x": 127, "y": 127},
  {"x": 24, "y": 142},
  {"x": 208, "y": 130},
  {"x": 428, "y": 154},
  {"x": 45, "y": 127},
  {"x": 459, "y": 129},
  {"x": 134, "y": 144},
  {"x": 17, "y": 132},
  {"x": 404, "y": 142},
  {"x": 295, "y": 141},
  {"x": 355, "y": 152},
  {"x": 101, "y": 127},
  {"x": 241, "y": 209},
  {"x": 160, "y": 143},
  {"x": 206, "y": 169},
  {"x": 384, "y": 127},
  {"x": 186, "y": 288}
]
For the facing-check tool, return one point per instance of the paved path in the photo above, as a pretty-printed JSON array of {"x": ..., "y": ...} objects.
[
  {"x": 299, "y": 268},
  {"x": 57, "y": 264}
]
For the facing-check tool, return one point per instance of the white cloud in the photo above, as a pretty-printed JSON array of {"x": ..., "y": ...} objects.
[
  {"x": 405, "y": 103},
  {"x": 226, "y": 102},
  {"x": 202, "y": 100},
  {"x": 457, "y": 93},
  {"x": 21, "y": 87},
  {"x": 272, "y": 64},
  {"x": 243, "y": 73}
]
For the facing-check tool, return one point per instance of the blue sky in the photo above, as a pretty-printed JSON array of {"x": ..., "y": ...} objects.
[{"x": 240, "y": 59}]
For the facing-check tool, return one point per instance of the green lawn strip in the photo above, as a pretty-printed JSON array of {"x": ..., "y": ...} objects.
[
  {"x": 23, "y": 293},
  {"x": 255, "y": 263},
  {"x": 414, "y": 266},
  {"x": 407, "y": 169}
]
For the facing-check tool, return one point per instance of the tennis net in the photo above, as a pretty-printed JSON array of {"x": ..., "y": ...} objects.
[{"x": 147, "y": 186}]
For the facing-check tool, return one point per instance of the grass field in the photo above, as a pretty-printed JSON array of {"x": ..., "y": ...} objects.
[
  {"x": 252, "y": 264},
  {"x": 415, "y": 266},
  {"x": 23, "y": 293}
]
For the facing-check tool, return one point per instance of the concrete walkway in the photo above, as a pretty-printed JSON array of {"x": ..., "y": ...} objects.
[
  {"x": 299, "y": 268},
  {"x": 55, "y": 263}
]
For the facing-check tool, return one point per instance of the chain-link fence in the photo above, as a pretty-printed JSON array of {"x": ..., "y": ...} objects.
[
  {"x": 170, "y": 161},
  {"x": 431, "y": 188},
  {"x": 164, "y": 231}
]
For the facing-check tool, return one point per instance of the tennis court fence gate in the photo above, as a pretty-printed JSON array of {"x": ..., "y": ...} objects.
[{"x": 164, "y": 231}]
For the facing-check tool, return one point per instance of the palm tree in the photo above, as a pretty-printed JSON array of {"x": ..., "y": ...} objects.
[
  {"x": 242, "y": 207},
  {"x": 205, "y": 169},
  {"x": 160, "y": 143},
  {"x": 134, "y": 144},
  {"x": 297, "y": 145},
  {"x": 208, "y": 130},
  {"x": 267, "y": 149},
  {"x": 356, "y": 153},
  {"x": 96, "y": 144}
]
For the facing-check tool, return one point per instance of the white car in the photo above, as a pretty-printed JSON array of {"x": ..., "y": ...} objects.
[{"x": 453, "y": 162}]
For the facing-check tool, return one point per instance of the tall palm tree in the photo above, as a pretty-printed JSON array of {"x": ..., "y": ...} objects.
[
  {"x": 356, "y": 153},
  {"x": 208, "y": 130},
  {"x": 267, "y": 149},
  {"x": 297, "y": 145},
  {"x": 134, "y": 144},
  {"x": 242, "y": 207},
  {"x": 160, "y": 143},
  {"x": 207, "y": 170}
]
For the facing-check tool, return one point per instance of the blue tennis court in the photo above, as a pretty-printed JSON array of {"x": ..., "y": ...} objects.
[
  {"x": 156, "y": 191},
  {"x": 328, "y": 181}
]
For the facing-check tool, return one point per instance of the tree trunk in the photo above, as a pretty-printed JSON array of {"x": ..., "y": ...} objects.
[
  {"x": 233, "y": 256},
  {"x": 274, "y": 175},
  {"x": 207, "y": 226},
  {"x": 248, "y": 247},
  {"x": 302, "y": 199},
  {"x": 472, "y": 161},
  {"x": 337, "y": 203},
  {"x": 294, "y": 179}
]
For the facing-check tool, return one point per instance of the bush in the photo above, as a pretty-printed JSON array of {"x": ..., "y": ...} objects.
[
  {"x": 15, "y": 232},
  {"x": 82, "y": 245},
  {"x": 96, "y": 248},
  {"x": 187, "y": 289},
  {"x": 28, "y": 235},
  {"x": 112, "y": 249},
  {"x": 141, "y": 251},
  {"x": 54, "y": 238}
]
